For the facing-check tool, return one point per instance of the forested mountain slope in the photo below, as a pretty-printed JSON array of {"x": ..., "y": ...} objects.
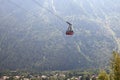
[{"x": 32, "y": 37}]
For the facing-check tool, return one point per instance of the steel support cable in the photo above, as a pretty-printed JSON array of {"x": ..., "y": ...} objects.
[
  {"x": 57, "y": 16},
  {"x": 10, "y": 1},
  {"x": 49, "y": 10}
]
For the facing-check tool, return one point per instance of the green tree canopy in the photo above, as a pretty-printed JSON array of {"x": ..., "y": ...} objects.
[
  {"x": 115, "y": 66},
  {"x": 103, "y": 75}
]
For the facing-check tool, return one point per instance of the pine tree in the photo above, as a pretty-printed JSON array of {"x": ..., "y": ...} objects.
[
  {"x": 103, "y": 75},
  {"x": 115, "y": 66},
  {"x": 111, "y": 76}
]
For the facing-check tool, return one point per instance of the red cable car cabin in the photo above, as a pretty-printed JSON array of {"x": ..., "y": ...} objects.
[{"x": 69, "y": 30}]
